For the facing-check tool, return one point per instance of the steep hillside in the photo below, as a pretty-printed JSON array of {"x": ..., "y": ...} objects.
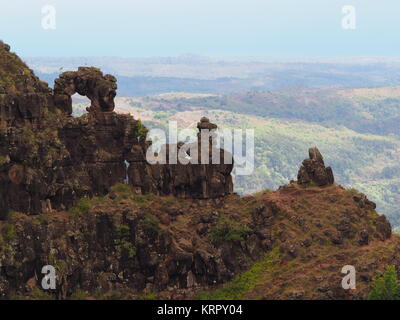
[
  {"x": 288, "y": 244},
  {"x": 320, "y": 231}
]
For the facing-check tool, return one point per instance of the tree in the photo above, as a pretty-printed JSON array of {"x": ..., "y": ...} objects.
[{"x": 386, "y": 287}]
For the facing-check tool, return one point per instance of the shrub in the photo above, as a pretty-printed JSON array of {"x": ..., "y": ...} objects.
[
  {"x": 227, "y": 231},
  {"x": 9, "y": 232},
  {"x": 151, "y": 226},
  {"x": 123, "y": 191},
  {"x": 3, "y": 160},
  {"x": 82, "y": 206},
  {"x": 386, "y": 286},
  {"x": 141, "y": 130},
  {"x": 123, "y": 241},
  {"x": 121, "y": 188}
]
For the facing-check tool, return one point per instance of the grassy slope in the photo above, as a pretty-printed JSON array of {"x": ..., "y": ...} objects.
[{"x": 314, "y": 271}]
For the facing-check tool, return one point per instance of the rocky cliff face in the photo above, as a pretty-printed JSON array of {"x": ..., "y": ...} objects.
[{"x": 51, "y": 160}]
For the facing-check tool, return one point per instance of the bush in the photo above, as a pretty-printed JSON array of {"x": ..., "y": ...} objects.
[
  {"x": 151, "y": 226},
  {"x": 141, "y": 130},
  {"x": 227, "y": 231},
  {"x": 123, "y": 241},
  {"x": 121, "y": 188},
  {"x": 82, "y": 206},
  {"x": 386, "y": 287},
  {"x": 9, "y": 232},
  {"x": 3, "y": 160},
  {"x": 122, "y": 191}
]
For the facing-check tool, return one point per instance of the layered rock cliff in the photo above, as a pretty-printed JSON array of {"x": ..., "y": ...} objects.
[{"x": 50, "y": 160}]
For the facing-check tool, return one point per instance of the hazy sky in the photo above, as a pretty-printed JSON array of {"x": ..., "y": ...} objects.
[{"x": 131, "y": 28}]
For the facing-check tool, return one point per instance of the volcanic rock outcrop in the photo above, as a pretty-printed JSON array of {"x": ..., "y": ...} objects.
[
  {"x": 89, "y": 82},
  {"x": 313, "y": 170},
  {"x": 201, "y": 179},
  {"x": 49, "y": 160}
]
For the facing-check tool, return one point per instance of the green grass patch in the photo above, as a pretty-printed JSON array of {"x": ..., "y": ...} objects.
[
  {"x": 243, "y": 283},
  {"x": 148, "y": 296}
]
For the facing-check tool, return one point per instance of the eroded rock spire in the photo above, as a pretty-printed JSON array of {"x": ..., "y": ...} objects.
[{"x": 313, "y": 170}]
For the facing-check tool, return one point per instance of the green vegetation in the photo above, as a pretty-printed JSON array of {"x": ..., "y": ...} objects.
[
  {"x": 3, "y": 160},
  {"x": 85, "y": 204},
  {"x": 386, "y": 286},
  {"x": 227, "y": 231},
  {"x": 82, "y": 206},
  {"x": 79, "y": 294},
  {"x": 14, "y": 73},
  {"x": 9, "y": 231},
  {"x": 123, "y": 241},
  {"x": 141, "y": 130},
  {"x": 151, "y": 226},
  {"x": 142, "y": 200},
  {"x": 149, "y": 296},
  {"x": 122, "y": 191},
  {"x": 121, "y": 188},
  {"x": 38, "y": 294},
  {"x": 243, "y": 283}
]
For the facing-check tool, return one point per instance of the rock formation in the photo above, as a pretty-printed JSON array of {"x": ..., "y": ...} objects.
[
  {"x": 313, "y": 170},
  {"x": 89, "y": 82},
  {"x": 49, "y": 159},
  {"x": 195, "y": 180}
]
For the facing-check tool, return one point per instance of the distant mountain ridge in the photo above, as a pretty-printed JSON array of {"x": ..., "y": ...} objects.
[{"x": 191, "y": 73}]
